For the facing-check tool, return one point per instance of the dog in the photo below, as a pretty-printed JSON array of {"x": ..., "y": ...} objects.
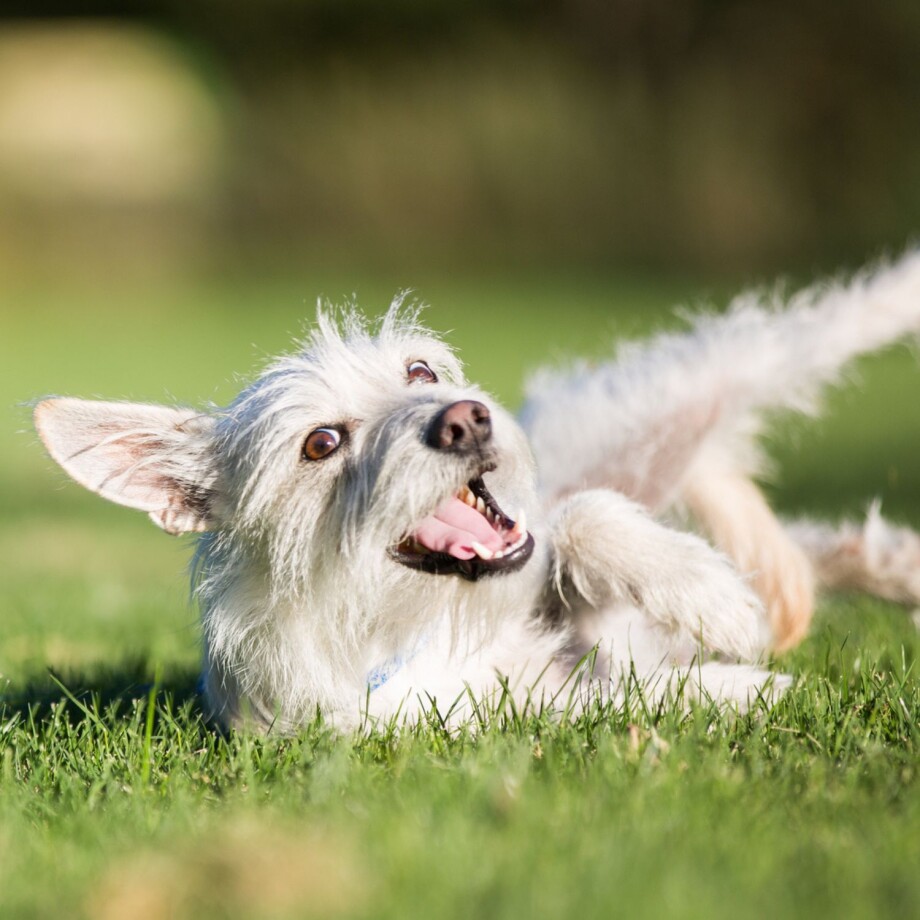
[{"x": 377, "y": 537}]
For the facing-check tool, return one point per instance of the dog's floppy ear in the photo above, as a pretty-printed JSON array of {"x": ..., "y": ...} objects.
[{"x": 152, "y": 458}]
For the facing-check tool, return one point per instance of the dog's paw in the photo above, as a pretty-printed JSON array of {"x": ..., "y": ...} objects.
[
  {"x": 738, "y": 684},
  {"x": 611, "y": 550},
  {"x": 704, "y": 595}
]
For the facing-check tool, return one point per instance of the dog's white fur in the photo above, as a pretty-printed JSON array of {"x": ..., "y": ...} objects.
[{"x": 304, "y": 609}]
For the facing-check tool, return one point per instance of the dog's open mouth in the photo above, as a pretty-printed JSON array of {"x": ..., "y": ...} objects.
[{"x": 468, "y": 535}]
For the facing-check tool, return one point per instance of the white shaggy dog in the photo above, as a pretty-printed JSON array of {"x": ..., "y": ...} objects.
[{"x": 376, "y": 536}]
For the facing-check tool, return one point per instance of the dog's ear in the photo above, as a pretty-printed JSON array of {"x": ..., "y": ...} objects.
[{"x": 152, "y": 458}]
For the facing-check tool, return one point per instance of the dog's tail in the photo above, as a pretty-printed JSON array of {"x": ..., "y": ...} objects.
[{"x": 676, "y": 418}]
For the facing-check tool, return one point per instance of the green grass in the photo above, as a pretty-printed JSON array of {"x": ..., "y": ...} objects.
[{"x": 116, "y": 802}]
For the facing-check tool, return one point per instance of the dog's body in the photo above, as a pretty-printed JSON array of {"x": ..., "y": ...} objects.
[{"x": 364, "y": 550}]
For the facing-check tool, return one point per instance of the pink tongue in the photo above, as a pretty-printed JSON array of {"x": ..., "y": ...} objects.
[{"x": 454, "y": 527}]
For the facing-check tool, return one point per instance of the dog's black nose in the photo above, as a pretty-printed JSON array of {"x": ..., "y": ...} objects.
[{"x": 461, "y": 427}]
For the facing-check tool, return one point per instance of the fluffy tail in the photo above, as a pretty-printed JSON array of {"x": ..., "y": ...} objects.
[
  {"x": 676, "y": 418},
  {"x": 639, "y": 421}
]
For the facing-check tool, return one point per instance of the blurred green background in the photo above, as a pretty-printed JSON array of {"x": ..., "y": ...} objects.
[
  {"x": 700, "y": 134},
  {"x": 180, "y": 181}
]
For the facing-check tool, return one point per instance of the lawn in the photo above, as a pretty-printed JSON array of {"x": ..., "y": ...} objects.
[{"x": 116, "y": 802}]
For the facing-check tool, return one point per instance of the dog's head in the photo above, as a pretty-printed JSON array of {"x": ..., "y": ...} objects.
[{"x": 366, "y": 450}]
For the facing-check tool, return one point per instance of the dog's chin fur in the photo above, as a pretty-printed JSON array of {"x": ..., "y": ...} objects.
[
  {"x": 307, "y": 606},
  {"x": 318, "y": 649}
]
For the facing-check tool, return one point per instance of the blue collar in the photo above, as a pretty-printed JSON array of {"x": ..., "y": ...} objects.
[
  {"x": 391, "y": 667},
  {"x": 381, "y": 674}
]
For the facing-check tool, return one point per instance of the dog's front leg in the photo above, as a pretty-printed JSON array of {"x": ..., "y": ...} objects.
[{"x": 609, "y": 550}]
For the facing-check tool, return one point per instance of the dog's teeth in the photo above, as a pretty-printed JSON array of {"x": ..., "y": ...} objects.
[
  {"x": 480, "y": 505},
  {"x": 481, "y": 551},
  {"x": 489, "y": 515},
  {"x": 470, "y": 499},
  {"x": 518, "y": 543},
  {"x": 520, "y": 526}
]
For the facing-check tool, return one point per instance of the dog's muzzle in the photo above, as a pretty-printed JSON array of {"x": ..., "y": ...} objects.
[{"x": 468, "y": 534}]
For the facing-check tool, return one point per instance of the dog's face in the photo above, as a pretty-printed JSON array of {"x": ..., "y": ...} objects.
[{"x": 362, "y": 452}]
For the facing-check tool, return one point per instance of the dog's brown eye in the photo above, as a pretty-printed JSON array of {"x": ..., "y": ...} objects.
[
  {"x": 419, "y": 371},
  {"x": 321, "y": 443}
]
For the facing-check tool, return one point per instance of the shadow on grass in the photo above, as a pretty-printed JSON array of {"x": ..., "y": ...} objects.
[{"x": 98, "y": 691}]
